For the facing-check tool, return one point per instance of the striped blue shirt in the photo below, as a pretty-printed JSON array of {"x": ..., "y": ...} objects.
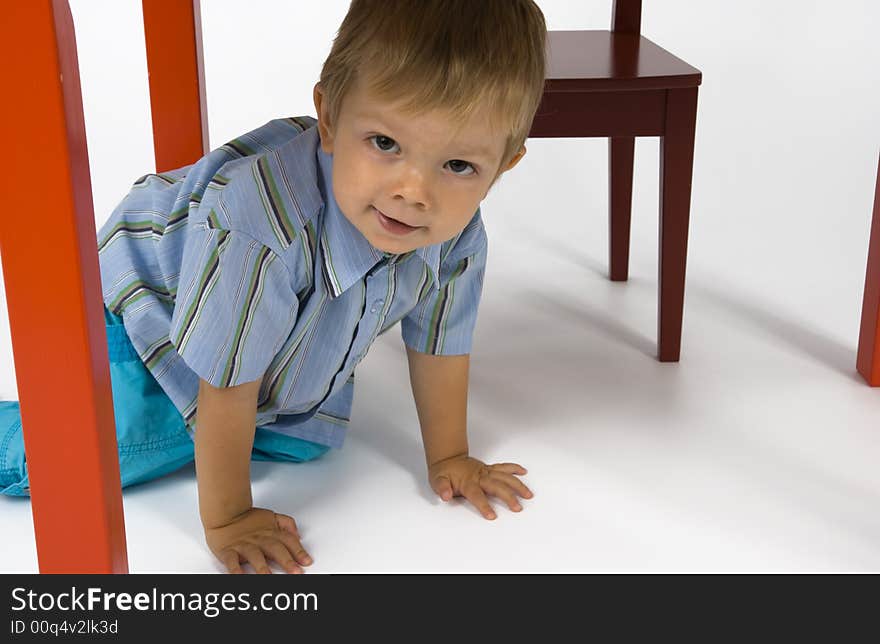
[{"x": 241, "y": 267}]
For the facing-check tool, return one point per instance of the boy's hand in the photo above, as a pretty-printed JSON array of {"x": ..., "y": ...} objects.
[
  {"x": 256, "y": 535},
  {"x": 466, "y": 476}
]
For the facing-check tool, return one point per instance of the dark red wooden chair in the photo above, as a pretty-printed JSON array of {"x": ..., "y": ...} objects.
[
  {"x": 620, "y": 85},
  {"x": 614, "y": 84},
  {"x": 868, "y": 360}
]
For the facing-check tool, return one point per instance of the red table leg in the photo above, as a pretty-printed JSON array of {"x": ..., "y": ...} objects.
[
  {"x": 173, "y": 36},
  {"x": 868, "y": 361},
  {"x": 53, "y": 292}
]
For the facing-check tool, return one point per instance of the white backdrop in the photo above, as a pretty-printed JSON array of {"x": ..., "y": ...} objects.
[{"x": 788, "y": 135}]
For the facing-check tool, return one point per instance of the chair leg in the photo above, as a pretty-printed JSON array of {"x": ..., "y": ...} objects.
[
  {"x": 868, "y": 361},
  {"x": 56, "y": 316},
  {"x": 676, "y": 171},
  {"x": 620, "y": 182}
]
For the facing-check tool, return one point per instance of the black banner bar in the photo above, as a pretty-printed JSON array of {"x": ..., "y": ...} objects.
[{"x": 161, "y": 608}]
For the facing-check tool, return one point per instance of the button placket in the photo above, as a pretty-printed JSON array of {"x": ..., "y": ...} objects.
[
  {"x": 380, "y": 302},
  {"x": 390, "y": 261},
  {"x": 377, "y": 304}
]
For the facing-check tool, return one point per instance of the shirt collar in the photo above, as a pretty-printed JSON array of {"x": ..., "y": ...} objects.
[{"x": 347, "y": 253}]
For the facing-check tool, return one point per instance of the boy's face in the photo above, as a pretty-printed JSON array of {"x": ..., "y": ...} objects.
[{"x": 408, "y": 169}]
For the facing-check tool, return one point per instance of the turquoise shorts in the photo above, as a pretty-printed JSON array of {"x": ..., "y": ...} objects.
[{"x": 150, "y": 433}]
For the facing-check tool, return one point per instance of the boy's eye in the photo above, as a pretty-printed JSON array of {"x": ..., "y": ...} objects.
[{"x": 385, "y": 144}]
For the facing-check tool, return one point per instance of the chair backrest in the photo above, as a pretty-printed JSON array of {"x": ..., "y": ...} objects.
[{"x": 626, "y": 16}]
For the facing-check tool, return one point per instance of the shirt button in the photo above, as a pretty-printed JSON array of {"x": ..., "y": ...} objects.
[{"x": 376, "y": 305}]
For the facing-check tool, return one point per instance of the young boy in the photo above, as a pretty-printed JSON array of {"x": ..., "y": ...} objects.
[{"x": 241, "y": 292}]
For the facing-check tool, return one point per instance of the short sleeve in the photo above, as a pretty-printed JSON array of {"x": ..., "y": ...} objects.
[
  {"x": 443, "y": 322},
  {"x": 235, "y": 306}
]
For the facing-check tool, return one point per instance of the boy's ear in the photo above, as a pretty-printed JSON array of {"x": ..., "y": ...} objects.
[
  {"x": 321, "y": 111},
  {"x": 519, "y": 155},
  {"x": 515, "y": 159}
]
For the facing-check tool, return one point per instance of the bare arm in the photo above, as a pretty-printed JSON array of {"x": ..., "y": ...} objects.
[
  {"x": 224, "y": 437},
  {"x": 235, "y": 530},
  {"x": 440, "y": 386}
]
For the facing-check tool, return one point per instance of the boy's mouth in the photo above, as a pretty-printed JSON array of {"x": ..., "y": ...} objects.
[{"x": 392, "y": 225}]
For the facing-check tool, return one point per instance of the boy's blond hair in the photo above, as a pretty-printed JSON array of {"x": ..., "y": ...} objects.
[{"x": 457, "y": 56}]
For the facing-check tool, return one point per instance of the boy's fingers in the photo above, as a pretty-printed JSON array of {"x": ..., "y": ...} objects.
[
  {"x": 474, "y": 494},
  {"x": 230, "y": 559},
  {"x": 518, "y": 486},
  {"x": 294, "y": 546},
  {"x": 503, "y": 492},
  {"x": 286, "y": 522},
  {"x": 279, "y": 552},
  {"x": 255, "y": 557},
  {"x": 443, "y": 488},
  {"x": 509, "y": 468}
]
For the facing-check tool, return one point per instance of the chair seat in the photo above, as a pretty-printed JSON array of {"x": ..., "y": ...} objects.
[{"x": 599, "y": 60}]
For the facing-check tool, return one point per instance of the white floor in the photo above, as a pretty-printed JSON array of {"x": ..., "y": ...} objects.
[{"x": 759, "y": 451}]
